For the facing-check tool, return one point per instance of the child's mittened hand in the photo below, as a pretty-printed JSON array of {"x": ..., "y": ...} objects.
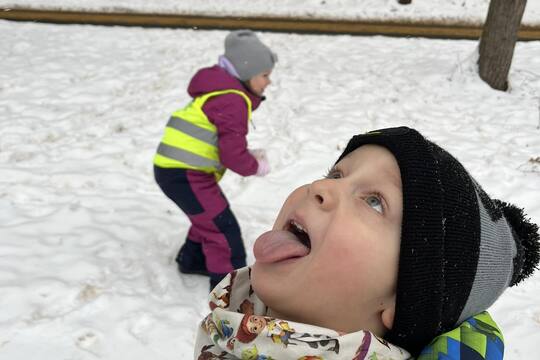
[
  {"x": 264, "y": 167},
  {"x": 262, "y": 160}
]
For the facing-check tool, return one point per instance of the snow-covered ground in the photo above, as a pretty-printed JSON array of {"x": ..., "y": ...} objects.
[
  {"x": 87, "y": 240},
  {"x": 468, "y": 11}
]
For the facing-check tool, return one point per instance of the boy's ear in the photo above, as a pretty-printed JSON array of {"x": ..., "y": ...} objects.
[{"x": 387, "y": 315}]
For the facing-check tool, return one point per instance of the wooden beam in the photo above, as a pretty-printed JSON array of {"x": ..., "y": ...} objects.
[{"x": 276, "y": 24}]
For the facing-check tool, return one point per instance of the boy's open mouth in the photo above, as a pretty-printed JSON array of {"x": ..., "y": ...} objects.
[
  {"x": 300, "y": 232},
  {"x": 289, "y": 243}
]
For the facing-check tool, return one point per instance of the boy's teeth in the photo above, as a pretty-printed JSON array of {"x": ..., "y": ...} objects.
[
  {"x": 300, "y": 233},
  {"x": 298, "y": 226}
]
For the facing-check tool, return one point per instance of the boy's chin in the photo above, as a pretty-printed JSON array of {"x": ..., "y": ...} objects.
[
  {"x": 265, "y": 290},
  {"x": 262, "y": 284},
  {"x": 270, "y": 287}
]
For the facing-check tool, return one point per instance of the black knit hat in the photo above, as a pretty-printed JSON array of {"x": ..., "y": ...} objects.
[{"x": 459, "y": 249}]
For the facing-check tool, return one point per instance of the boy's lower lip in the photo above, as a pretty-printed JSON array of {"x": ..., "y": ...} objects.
[{"x": 277, "y": 246}]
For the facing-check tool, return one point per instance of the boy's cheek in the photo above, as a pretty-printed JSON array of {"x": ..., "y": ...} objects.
[{"x": 292, "y": 201}]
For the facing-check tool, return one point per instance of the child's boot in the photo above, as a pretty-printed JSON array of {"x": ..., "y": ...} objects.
[{"x": 191, "y": 259}]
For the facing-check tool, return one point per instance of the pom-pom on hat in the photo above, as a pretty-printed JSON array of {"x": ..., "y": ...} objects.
[
  {"x": 459, "y": 248},
  {"x": 248, "y": 54}
]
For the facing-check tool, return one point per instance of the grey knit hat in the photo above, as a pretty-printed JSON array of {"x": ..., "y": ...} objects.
[
  {"x": 459, "y": 248},
  {"x": 248, "y": 54}
]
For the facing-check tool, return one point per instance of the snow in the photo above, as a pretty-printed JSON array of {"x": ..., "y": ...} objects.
[
  {"x": 87, "y": 238},
  {"x": 468, "y": 11}
]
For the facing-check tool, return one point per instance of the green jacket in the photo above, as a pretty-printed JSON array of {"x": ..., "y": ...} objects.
[{"x": 477, "y": 338}]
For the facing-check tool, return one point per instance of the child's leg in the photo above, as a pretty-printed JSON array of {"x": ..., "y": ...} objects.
[
  {"x": 174, "y": 184},
  {"x": 228, "y": 226},
  {"x": 214, "y": 226},
  {"x": 222, "y": 246},
  {"x": 217, "y": 226}
]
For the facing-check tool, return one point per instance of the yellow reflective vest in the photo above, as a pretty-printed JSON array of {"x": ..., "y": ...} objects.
[{"x": 190, "y": 140}]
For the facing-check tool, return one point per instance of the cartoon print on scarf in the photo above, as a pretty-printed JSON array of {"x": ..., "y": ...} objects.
[
  {"x": 217, "y": 330},
  {"x": 253, "y": 354},
  {"x": 230, "y": 343},
  {"x": 207, "y": 355},
  {"x": 364, "y": 347},
  {"x": 250, "y": 327},
  {"x": 224, "y": 329},
  {"x": 251, "y": 292},
  {"x": 246, "y": 307},
  {"x": 225, "y": 298},
  {"x": 210, "y": 327},
  {"x": 240, "y": 327},
  {"x": 381, "y": 340},
  {"x": 280, "y": 332}
]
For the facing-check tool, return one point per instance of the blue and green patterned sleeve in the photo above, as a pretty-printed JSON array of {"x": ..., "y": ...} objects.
[{"x": 477, "y": 338}]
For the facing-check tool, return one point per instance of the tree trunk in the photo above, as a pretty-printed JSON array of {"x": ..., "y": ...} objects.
[{"x": 498, "y": 41}]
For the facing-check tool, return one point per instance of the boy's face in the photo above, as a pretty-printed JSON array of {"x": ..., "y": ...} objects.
[
  {"x": 331, "y": 258},
  {"x": 259, "y": 82}
]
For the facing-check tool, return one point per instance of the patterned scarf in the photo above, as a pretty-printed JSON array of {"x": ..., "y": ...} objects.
[{"x": 238, "y": 326}]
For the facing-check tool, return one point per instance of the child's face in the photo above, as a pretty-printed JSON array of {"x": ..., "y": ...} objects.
[
  {"x": 341, "y": 275},
  {"x": 259, "y": 82},
  {"x": 256, "y": 324}
]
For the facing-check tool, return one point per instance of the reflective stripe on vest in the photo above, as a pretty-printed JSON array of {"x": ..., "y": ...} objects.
[
  {"x": 186, "y": 156},
  {"x": 190, "y": 140},
  {"x": 186, "y": 127}
]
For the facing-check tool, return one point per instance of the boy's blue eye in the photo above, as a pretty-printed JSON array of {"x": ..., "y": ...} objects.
[{"x": 375, "y": 202}]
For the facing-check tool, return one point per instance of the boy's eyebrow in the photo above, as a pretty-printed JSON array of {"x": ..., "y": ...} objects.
[{"x": 396, "y": 181}]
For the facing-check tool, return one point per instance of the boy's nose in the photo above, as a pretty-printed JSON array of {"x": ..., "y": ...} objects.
[{"x": 323, "y": 193}]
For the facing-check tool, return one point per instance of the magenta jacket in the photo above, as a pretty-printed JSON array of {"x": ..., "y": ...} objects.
[{"x": 229, "y": 113}]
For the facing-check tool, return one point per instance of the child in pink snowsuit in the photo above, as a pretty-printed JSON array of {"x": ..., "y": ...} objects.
[{"x": 204, "y": 139}]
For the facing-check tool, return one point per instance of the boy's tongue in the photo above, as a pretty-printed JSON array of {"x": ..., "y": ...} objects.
[{"x": 277, "y": 245}]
